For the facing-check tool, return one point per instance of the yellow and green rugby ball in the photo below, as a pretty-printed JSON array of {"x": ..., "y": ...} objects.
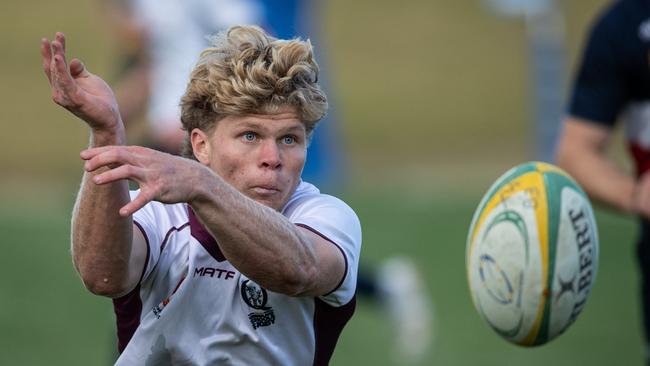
[{"x": 532, "y": 253}]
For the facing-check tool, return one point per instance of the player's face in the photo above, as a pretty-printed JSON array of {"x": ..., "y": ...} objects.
[{"x": 261, "y": 155}]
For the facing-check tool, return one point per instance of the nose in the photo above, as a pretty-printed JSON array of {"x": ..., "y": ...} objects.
[{"x": 270, "y": 155}]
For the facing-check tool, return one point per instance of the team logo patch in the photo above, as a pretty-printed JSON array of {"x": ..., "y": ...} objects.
[{"x": 256, "y": 298}]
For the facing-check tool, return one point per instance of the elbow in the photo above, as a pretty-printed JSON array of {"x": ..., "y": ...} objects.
[
  {"x": 289, "y": 282},
  {"x": 105, "y": 286},
  {"x": 299, "y": 282},
  {"x": 101, "y": 282}
]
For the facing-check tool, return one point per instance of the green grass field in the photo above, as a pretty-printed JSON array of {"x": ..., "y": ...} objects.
[
  {"x": 434, "y": 101},
  {"x": 48, "y": 318}
]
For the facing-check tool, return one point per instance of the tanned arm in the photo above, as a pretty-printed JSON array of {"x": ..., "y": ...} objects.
[
  {"x": 582, "y": 153},
  {"x": 104, "y": 251},
  {"x": 257, "y": 240},
  {"x": 264, "y": 245}
]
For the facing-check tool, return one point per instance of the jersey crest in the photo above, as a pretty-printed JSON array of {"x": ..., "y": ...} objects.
[{"x": 256, "y": 298}]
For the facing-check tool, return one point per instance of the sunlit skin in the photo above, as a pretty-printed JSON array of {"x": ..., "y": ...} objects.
[{"x": 260, "y": 155}]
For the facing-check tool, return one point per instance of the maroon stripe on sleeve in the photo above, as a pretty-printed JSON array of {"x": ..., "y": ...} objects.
[
  {"x": 328, "y": 324},
  {"x": 345, "y": 258},
  {"x": 203, "y": 236},
  {"x": 128, "y": 309},
  {"x": 146, "y": 239}
]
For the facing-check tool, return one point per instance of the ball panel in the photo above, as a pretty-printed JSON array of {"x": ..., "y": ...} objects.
[
  {"x": 503, "y": 190},
  {"x": 522, "y": 195},
  {"x": 504, "y": 250},
  {"x": 552, "y": 200},
  {"x": 577, "y": 255},
  {"x": 488, "y": 197}
]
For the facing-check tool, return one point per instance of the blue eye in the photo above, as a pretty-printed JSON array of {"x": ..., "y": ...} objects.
[
  {"x": 288, "y": 140},
  {"x": 250, "y": 136}
]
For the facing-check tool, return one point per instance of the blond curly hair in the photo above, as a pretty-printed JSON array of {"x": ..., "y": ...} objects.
[{"x": 246, "y": 71}]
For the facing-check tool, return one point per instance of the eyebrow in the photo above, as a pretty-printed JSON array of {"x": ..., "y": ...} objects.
[{"x": 298, "y": 127}]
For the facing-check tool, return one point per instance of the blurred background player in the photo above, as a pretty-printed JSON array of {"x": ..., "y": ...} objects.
[
  {"x": 160, "y": 40},
  {"x": 613, "y": 83}
]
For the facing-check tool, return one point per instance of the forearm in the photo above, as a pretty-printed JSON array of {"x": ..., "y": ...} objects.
[
  {"x": 601, "y": 178},
  {"x": 257, "y": 240},
  {"x": 101, "y": 238}
]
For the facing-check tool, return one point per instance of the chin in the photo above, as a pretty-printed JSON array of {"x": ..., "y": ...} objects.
[{"x": 272, "y": 204}]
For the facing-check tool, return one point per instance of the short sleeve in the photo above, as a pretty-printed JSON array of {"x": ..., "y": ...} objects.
[
  {"x": 335, "y": 221},
  {"x": 599, "y": 91},
  {"x": 155, "y": 220}
]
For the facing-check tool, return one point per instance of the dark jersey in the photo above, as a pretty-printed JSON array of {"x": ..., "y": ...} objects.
[{"x": 613, "y": 82}]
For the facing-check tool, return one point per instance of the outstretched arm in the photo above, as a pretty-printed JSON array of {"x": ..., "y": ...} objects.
[
  {"x": 106, "y": 251},
  {"x": 265, "y": 246},
  {"x": 257, "y": 240}
]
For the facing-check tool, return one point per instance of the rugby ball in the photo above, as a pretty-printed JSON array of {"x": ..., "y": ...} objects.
[{"x": 532, "y": 253}]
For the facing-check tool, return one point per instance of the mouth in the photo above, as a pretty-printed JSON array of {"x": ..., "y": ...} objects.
[{"x": 265, "y": 191}]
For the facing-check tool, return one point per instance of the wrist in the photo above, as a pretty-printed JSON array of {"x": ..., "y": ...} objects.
[
  {"x": 203, "y": 183},
  {"x": 108, "y": 136}
]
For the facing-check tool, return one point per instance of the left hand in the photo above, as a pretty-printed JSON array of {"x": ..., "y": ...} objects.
[
  {"x": 162, "y": 177},
  {"x": 73, "y": 87}
]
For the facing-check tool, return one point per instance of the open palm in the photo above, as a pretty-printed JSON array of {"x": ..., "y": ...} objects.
[{"x": 76, "y": 89}]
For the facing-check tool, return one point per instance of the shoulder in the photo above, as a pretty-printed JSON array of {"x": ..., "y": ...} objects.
[
  {"x": 308, "y": 199},
  {"x": 324, "y": 213}
]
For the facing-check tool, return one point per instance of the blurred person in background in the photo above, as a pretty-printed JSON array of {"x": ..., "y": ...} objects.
[
  {"x": 161, "y": 37},
  {"x": 613, "y": 84},
  {"x": 160, "y": 41}
]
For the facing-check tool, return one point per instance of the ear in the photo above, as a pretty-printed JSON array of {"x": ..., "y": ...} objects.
[{"x": 200, "y": 146}]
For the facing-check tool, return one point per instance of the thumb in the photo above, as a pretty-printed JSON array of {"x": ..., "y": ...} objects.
[{"x": 77, "y": 69}]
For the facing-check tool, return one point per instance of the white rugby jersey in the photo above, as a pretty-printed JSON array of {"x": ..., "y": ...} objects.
[{"x": 192, "y": 307}]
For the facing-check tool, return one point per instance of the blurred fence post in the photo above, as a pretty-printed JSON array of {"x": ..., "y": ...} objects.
[{"x": 545, "y": 31}]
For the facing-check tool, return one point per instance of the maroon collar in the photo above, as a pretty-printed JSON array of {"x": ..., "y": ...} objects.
[{"x": 203, "y": 236}]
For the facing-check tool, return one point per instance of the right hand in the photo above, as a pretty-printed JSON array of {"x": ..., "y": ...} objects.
[
  {"x": 161, "y": 177},
  {"x": 85, "y": 95}
]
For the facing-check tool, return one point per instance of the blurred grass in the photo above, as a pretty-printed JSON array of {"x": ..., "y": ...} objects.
[
  {"x": 435, "y": 105},
  {"x": 47, "y": 317}
]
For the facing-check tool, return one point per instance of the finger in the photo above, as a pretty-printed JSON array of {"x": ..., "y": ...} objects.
[
  {"x": 92, "y": 152},
  {"x": 59, "y": 36},
  {"x": 59, "y": 70},
  {"x": 137, "y": 203},
  {"x": 46, "y": 56},
  {"x": 77, "y": 69},
  {"x": 110, "y": 158},
  {"x": 119, "y": 173}
]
